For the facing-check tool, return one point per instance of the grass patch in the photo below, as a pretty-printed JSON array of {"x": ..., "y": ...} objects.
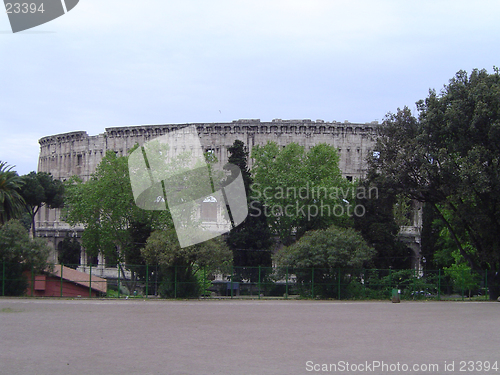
[
  {"x": 9, "y": 310},
  {"x": 114, "y": 294}
]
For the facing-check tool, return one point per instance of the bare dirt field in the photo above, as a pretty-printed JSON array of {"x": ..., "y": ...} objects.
[{"x": 128, "y": 337}]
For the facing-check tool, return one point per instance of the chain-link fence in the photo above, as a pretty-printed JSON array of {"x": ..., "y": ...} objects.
[{"x": 147, "y": 281}]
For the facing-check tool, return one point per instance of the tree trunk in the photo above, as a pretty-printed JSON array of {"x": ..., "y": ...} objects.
[
  {"x": 33, "y": 213},
  {"x": 130, "y": 284},
  {"x": 493, "y": 284},
  {"x": 33, "y": 230}
]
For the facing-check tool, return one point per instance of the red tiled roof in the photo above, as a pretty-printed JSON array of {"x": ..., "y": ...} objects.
[{"x": 80, "y": 278}]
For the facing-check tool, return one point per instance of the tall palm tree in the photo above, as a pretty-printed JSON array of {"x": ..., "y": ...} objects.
[{"x": 11, "y": 202}]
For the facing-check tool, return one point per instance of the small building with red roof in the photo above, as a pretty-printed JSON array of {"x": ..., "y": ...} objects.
[{"x": 63, "y": 281}]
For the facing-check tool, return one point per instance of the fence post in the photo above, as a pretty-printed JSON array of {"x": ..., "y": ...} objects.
[
  {"x": 363, "y": 272},
  {"x": 231, "y": 284},
  {"x": 338, "y": 276},
  {"x": 90, "y": 281},
  {"x": 175, "y": 281},
  {"x": 147, "y": 281},
  {"x": 486, "y": 285},
  {"x": 312, "y": 283},
  {"x": 439, "y": 284},
  {"x": 3, "y": 278},
  {"x": 416, "y": 293},
  {"x": 259, "y": 281},
  {"x": 286, "y": 283},
  {"x": 32, "y": 281},
  {"x": 205, "y": 284},
  {"x": 156, "y": 280},
  {"x": 463, "y": 286},
  {"x": 118, "y": 283},
  {"x": 61, "y": 286}
]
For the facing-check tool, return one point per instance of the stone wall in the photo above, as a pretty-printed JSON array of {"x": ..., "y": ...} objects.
[{"x": 77, "y": 153}]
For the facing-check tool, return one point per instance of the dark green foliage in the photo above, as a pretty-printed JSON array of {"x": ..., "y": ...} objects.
[
  {"x": 250, "y": 241},
  {"x": 293, "y": 183},
  {"x": 140, "y": 229},
  {"x": 184, "y": 265},
  {"x": 319, "y": 255},
  {"x": 21, "y": 253},
  {"x": 16, "y": 282},
  {"x": 105, "y": 205},
  {"x": 431, "y": 247},
  {"x": 114, "y": 225},
  {"x": 450, "y": 159},
  {"x": 17, "y": 246},
  {"x": 379, "y": 228},
  {"x": 327, "y": 248},
  {"x": 246, "y": 262},
  {"x": 41, "y": 189},
  {"x": 25, "y": 220},
  {"x": 11, "y": 202},
  {"x": 69, "y": 252},
  {"x": 239, "y": 157},
  {"x": 178, "y": 282}
]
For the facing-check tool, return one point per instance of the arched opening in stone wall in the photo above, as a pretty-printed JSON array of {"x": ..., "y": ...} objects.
[{"x": 209, "y": 209}]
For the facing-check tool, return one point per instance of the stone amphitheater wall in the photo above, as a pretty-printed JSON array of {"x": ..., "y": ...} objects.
[{"x": 77, "y": 153}]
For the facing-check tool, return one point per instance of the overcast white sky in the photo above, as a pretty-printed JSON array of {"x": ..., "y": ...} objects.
[{"x": 122, "y": 62}]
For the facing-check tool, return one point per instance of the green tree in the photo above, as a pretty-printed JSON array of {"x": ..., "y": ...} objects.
[
  {"x": 181, "y": 268},
  {"x": 431, "y": 228},
  {"x": 40, "y": 189},
  {"x": 239, "y": 157},
  {"x": 379, "y": 228},
  {"x": 464, "y": 279},
  {"x": 450, "y": 159},
  {"x": 140, "y": 229},
  {"x": 250, "y": 241},
  {"x": 105, "y": 206},
  {"x": 448, "y": 256},
  {"x": 69, "y": 252},
  {"x": 320, "y": 255},
  {"x": 300, "y": 190},
  {"x": 11, "y": 202},
  {"x": 19, "y": 253}
]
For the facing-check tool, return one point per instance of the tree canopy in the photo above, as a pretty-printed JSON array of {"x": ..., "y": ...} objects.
[
  {"x": 181, "y": 267},
  {"x": 41, "y": 189},
  {"x": 20, "y": 253},
  {"x": 163, "y": 248},
  {"x": 69, "y": 252},
  {"x": 449, "y": 158},
  {"x": 300, "y": 190},
  {"x": 319, "y": 260},
  {"x": 105, "y": 206},
  {"x": 251, "y": 240},
  {"x": 380, "y": 229},
  {"x": 11, "y": 202},
  {"x": 327, "y": 248}
]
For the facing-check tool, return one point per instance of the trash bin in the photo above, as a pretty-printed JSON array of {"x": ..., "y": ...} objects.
[
  {"x": 395, "y": 295},
  {"x": 235, "y": 290}
]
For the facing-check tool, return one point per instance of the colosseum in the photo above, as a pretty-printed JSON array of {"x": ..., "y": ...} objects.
[{"x": 77, "y": 153}]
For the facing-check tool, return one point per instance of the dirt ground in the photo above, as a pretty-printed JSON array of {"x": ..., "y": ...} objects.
[{"x": 128, "y": 337}]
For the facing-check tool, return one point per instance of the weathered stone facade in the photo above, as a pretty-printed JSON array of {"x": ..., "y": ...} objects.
[{"x": 77, "y": 153}]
